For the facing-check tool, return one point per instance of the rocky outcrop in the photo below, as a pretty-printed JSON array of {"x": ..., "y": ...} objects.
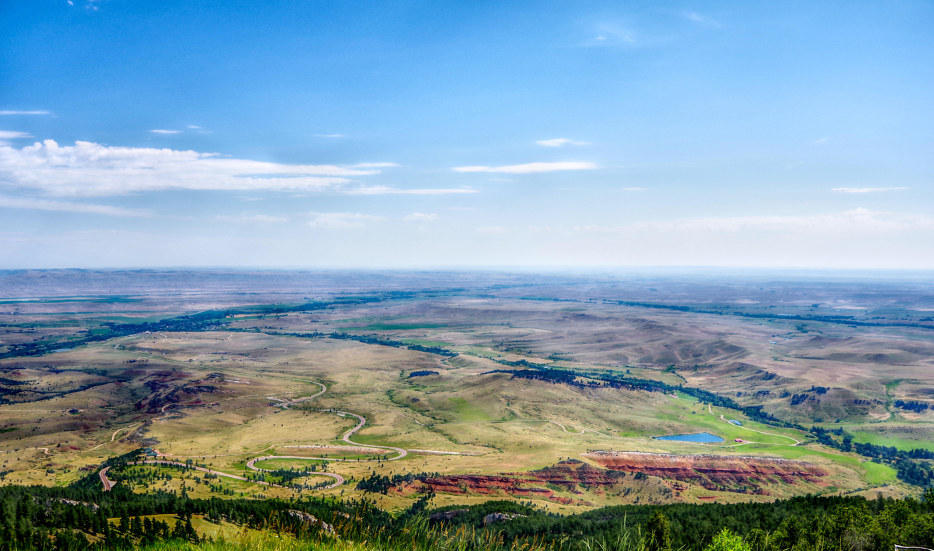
[
  {"x": 92, "y": 506},
  {"x": 494, "y": 518},
  {"x": 571, "y": 472},
  {"x": 311, "y": 520}
]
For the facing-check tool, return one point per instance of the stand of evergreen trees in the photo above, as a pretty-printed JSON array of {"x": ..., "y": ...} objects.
[
  {"x": 79, "y": 519},
  {"x": 380, "y": 483},
  {"x": 912, "y": 405}
]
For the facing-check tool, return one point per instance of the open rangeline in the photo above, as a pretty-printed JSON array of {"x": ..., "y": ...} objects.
[{"x": 280, "y": 386}]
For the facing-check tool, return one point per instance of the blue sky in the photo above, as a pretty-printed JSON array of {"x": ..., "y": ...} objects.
[{"x": 466, "y": 134}]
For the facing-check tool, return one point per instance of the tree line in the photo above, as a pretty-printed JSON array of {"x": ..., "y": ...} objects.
[{"x": 75, "y": 518}]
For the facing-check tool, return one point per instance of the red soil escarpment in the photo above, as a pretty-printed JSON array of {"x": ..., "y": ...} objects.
[
  {"x": 571, "y": 472},
  {"x": 652, "y": 476},
  {"x": 712, "y": 471},
  {"x": 485, "y": 484},
  {"x": 565, "y": 476}
]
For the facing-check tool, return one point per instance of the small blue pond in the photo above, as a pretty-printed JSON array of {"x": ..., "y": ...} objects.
[{"x": 697, "y": 437}]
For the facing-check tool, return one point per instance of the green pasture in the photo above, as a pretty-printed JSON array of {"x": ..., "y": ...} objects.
[
  {"x": 901, "y": 435},
  {"x": 924, "y": 442}
]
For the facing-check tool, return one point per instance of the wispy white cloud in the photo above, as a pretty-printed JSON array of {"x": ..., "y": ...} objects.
[
  {"x": 560, "y": 142},
  {"x": 866, "y": 189},
  {"x": 611, "y": 34},
  {"x": 67, "y": 206},
  {"x": 633, "y": 189},
  {"x": 530, "y": 168},
  {"x": 7, "y": 135},
  {"x": 88, "y": 4},
  {"x": 854, "y": 222},
  {"x": 341, "y": 220},
  {"x": 374, "y": 165},
  {"x": 88, "y": 168},
  {"x": 253, "y": 219},
  {"x": 386, "y": 190},
  {"x": 820, "y": 141},
  {"x": 172, "y": 131},
  {"x": 28, "y": 112},
  {"x": 420, "y": 217},
  {"x": 702, "y": 20}
]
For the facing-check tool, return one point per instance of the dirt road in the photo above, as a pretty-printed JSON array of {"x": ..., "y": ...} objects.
[
  {"x": 285, "y": 404},
  {"x": 337, "y": 478},
  {"x": 361, "y": 420},
  {"x": 108, "y": 484},
  {"x": 796, "y": 441}
]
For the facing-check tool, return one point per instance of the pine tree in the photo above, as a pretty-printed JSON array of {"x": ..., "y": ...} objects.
[
  {"x": 657, "y": 533},
  {"x": 136, "y": 527},
  {"x": 190, "y": 533},
  {"x": 124, "y": 523}
]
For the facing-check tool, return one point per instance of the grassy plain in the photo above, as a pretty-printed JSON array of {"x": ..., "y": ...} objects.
[{"x": 242, "y": 389}]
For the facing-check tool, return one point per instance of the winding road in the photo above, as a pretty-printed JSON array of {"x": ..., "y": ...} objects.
[
  {"x": 114, "y": 435},
  {"x": 284, "y": 404},
  {"x": 108, "y": 484},
  {"x": 361, "y": 420},
  {"x": 337, "y": 478}
]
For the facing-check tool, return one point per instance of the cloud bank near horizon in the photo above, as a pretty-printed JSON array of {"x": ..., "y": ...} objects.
[
  {"x": 529, "y": 168},
  {"x": 91, "y": 169}
]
